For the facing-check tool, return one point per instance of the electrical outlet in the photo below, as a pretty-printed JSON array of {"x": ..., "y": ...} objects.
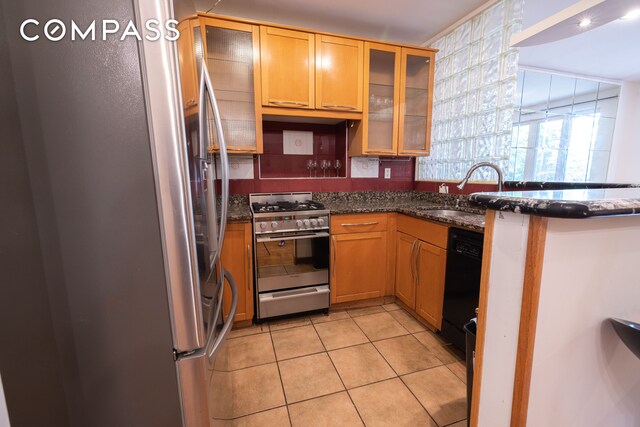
[
  {"x": 443, "y": 188},
  {"x": 387, "y": 173}
]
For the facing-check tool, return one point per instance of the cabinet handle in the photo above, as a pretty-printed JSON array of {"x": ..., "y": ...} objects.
[
  {"x": 413, "y": 248},
  {"x": 416, "y": 268},
  {"x": 191, "y": 103},
  {"x": 342, "y": 107},
  {"x": 359, "y": 224},
  {"x": 302, "y": 104},
  {"x": 248, "y": 267},
  {"x": 333, "y": 270},
  {"x": 241, "y": 149}
]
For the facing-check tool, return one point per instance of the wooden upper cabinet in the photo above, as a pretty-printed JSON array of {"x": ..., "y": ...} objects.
[
  {"x": 339, "y": 73},
  {"x": 378, "y": 131},
  {"x": 288, "y": 65},
  {"x": 232, "y": 56},
  {"x": 416, "y": 97},
  {"x": 398, "y": 85},
  {"x": 187, "y": 64},
  {"x": 259, "y": 71}
]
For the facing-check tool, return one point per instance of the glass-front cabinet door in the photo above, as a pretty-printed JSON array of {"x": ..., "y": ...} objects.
[
  {"x": 416, "y": 95},
  {"x": 232, "y": 54},
  {"x": 382, "y": 99}
]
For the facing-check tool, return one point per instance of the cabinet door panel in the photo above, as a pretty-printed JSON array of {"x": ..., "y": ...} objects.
[
  {"x": 432, "y": 262},
  {"x": 238, "y": 259},
  {"x": 405, "y": 273},
  {"x": 187, "y": 63},
  {"x": 232, "y": 56},
  {"x": 381, "y": 98},
  {"x": 339, "y": 73},
  {"x": 359, "y": 266},
  {"x": 288, "y": 64},
  {"x": 416, "y": 96}
]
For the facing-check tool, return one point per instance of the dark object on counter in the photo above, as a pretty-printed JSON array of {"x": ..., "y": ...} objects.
[
  {"x": 470, "y": 333},
  {"x": 629, "y": 333},
  {"x": 462, "y": 283}
]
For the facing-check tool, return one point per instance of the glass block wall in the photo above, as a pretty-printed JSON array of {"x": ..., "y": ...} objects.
[{"x": 474, "y": 95}]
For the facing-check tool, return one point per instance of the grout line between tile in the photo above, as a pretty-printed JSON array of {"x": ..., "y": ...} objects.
[
  {"x": 284, "y": 394},
  {"x": 277, "y": 362},
  {"x": 338, "y": 372},
  {"x": 455, "y": 422},
  {"x": 250, "y": 414},
  {"x": 410, "y": 391},
  {"x": 418, "y": 400}
]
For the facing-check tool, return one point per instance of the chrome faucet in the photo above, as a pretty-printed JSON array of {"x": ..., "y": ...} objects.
[{"x": 472, "y": 169}]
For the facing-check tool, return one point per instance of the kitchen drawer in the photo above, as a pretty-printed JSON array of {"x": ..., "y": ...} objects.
[
  {"x": 293, "y": 301},
  {"x": 358, "y": 223},
  {"x": 427, "y": 231}
]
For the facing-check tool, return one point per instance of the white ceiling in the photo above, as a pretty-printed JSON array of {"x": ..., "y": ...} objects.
[
  {"x": 402, "y": 21},
  {"x": 610, "y": 51}
]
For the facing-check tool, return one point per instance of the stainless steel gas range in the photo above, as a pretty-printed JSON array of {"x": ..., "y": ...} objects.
[{"x": 291, "y": 254}]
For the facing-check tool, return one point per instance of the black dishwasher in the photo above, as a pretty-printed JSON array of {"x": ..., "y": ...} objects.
[{"x": 462, "y": 283}]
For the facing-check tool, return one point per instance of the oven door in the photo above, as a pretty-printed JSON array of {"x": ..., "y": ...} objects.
[{"x": 289, "y": 261}]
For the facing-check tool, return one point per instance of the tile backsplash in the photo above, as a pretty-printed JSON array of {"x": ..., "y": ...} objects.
[{"x": 402, "y": 178}]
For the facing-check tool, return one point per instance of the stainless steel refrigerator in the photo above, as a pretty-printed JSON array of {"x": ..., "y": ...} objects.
[{"x": 111, "y": 229}]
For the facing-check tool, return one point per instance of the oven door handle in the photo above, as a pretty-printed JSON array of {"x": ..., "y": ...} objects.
[
  {"x": 294, "y": 294},
  {"x": 298, "y": 237}
]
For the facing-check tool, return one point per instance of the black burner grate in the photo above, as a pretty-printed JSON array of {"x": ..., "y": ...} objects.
[{"x": 307, "y": 205}]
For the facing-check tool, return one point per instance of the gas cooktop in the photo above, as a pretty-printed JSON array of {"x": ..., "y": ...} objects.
[
  {"x": 285, "y": 206},
  {"x": 287, "y": 212}
]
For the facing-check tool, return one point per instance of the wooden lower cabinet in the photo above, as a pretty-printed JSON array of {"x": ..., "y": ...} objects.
[
  {"x": 421, "y": 259},
  {"x": 237, "y": 258},
  {"x": 405, "y": 265},
  {"x": 431, "y": 262},
  {"x": 359, "y": 266}
]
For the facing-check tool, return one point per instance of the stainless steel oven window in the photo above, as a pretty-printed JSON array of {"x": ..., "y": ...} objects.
[{"x": 292, "y": 262}]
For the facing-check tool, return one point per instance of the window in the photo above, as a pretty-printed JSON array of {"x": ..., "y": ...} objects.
[{"x": 563, "y": 128}]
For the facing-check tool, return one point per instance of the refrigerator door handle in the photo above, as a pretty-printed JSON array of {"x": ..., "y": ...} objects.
[
  {"x": 216, "y": 236},
  {"x": 205, "y": 83},
  {"x": 208, "y": 177},
  {"x": 213, "y": 349}
]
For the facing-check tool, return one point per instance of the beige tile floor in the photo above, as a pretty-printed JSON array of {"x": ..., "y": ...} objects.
[{"x": 374, "y": 366}]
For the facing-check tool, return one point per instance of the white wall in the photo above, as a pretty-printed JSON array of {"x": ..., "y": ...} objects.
[
  {"x": 624, "y": 164},
  {"x": 503, "y": 318},
  {"x": 582, "y": 374}
]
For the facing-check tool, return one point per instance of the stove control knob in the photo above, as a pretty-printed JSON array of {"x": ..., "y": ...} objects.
[
  {"x": 263, "y": 225},
  {"x": 314, "y": 222},
  {"x": 321, "y": 221},
  {"x": 274, "y": 224},
  {"x": 306, "y": 222},
  {"x": 298, "y": 223}
]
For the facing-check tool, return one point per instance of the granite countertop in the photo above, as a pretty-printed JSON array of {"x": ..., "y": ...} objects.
[
  {"x": 551, "y": 185},
  {"x": 473, "y": 218},
  {"x": 583, "y": 203},
  {"x": 238, "y": 212},
  {"x": 414, "y": 203}
]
